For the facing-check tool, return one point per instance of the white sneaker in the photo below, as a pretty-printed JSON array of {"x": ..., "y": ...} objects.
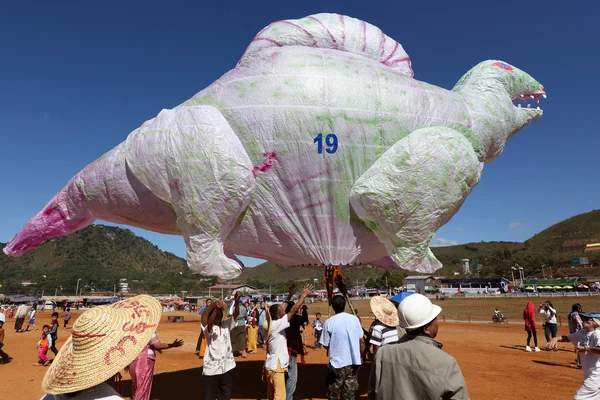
[
  {"x": 536, "y": 349},
  {"x": 527, "y": 348}
]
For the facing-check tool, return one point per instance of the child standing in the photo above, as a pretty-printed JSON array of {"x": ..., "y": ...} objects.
[
  {"x": 530, "y": 326},
  {"x": 67, "y": 317},
  {"x": 43, "y": 345},
  {"x": 318, "y": 329},
  {"x": 5, "y": 357},
  {"x": 54, "y": 332},
  {"x": 31, "y": 323}
]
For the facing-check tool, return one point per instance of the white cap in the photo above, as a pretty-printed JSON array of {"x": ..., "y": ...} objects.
[{"x": 416, "y": 311}]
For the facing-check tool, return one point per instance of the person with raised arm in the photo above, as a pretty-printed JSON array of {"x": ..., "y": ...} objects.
[
  {"x": 218, "y": 357},
  {"x": 278, "y": 358},
  {"x": 587, "y": 345}
]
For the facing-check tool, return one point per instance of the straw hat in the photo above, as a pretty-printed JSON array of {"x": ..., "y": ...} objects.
[
  {"x": 224, "y": 311},
  {"x": 104, "y": 340},
  {"x": 384, "y": 310}
]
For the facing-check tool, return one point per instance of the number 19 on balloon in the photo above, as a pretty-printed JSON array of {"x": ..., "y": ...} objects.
[{"x": 331, "y": 143}]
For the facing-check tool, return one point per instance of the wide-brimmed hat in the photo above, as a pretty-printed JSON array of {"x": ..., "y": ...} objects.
[
  {"x": 224, "y": 311},
  {"x": 593, "y": 316},
  {"x": 401, "y": 296},
  {"x": 104, "y": 340},
  {"x": 384, "y": 310}
]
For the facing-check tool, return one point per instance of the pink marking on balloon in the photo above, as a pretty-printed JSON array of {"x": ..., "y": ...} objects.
[
  {"x": 275, "y": 42},
  {"x": 407, "y": 61},
  {"x": 343, "y": 30},
  {"x": 391, "y": 54},
  {"x": 266, "y": 165},
  {"x": 175, "y": 185},
  {"x": 364, "y": 24},
  {"x": 312, "y": 205},
  {"x": 263, "y": 29},
  {"x": 302, "y": 29},
  {"x": 308, "y": 178},
  {"x": 382, "y": 45},
  {"x": 328, "y": 31}
]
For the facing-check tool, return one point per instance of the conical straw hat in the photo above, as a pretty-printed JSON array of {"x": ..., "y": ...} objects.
[
  {"x": 384, "y": 311},
  {"x": 104, "y": 340}
]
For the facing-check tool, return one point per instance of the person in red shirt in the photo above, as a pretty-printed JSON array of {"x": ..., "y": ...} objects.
[{"x": 530, "y": 326}]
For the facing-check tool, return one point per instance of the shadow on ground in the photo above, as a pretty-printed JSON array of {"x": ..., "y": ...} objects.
[
  {"x": 552, "y": 364},
  {"x": 247, "y": 383},
  {"x": 522, "y": 348}
]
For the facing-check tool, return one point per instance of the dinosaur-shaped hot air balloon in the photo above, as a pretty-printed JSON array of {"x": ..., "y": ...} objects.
[{"x": 318, "y": 148}]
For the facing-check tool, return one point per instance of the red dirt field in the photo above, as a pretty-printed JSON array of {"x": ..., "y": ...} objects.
[{"x": 492, "y": 359}]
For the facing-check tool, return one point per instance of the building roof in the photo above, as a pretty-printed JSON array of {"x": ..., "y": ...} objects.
[
  {"x": 418, "y": 277},
  {"x": 230, "y": 286}
]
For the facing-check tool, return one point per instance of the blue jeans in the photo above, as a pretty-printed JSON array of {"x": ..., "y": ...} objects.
[
  {"x": 550, "y": 329},
  {"x": 291, "y": 378}
]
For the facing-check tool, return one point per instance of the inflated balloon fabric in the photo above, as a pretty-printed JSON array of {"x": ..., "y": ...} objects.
[{"x": 318, "y": 148}]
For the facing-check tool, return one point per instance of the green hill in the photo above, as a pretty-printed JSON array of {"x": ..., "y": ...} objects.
[
  {"x": 100, "y": 256},
  {"x": 581, "y": 226}
]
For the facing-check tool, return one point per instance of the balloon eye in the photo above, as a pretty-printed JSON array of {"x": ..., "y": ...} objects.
[{"x": 502, "y": 65}]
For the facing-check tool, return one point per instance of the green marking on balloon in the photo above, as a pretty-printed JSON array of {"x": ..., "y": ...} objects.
[
  {"x": 241, "y": 88},
  {"x": 354, "y": 120},
  {"x": 204, "y": 100}
]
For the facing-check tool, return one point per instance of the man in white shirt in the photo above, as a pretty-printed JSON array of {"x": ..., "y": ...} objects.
[
  {"x": 278, "y": 358},
  {"x": 343, "y": 337},
  {"x": 218, "y": 357}
]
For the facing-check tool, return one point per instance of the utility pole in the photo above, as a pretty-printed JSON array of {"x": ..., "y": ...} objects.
[{"x": 543, "y": 273}]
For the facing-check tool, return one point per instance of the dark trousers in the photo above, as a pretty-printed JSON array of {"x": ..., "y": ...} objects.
[
  {"x": 3, "y": 355},
  {"x": 53, "y": 348},
  {"x": 19, "y": 323},
  {"x": 218, "y": 387},
  {"x": 534, "y": 334},
  {"x": 550, "y": 329},
  {"x": 317, "y": 339}
]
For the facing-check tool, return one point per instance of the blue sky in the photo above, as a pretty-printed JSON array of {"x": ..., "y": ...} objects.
[{"x": 76, "y": 79}]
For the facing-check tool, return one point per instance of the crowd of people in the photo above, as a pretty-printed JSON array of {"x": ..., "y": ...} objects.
[{"x": 407, "y": 361}]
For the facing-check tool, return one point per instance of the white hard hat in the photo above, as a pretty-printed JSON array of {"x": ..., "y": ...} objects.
[{"x": 416, "y": 311}]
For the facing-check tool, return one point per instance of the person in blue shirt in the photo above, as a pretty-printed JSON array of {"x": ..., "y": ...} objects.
[{"x": 343, "y": 337}]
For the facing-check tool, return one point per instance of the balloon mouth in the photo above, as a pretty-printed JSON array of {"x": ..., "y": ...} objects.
[{"x": 530, "y": 101}]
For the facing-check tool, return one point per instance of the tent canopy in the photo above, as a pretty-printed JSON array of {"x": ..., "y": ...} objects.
[{"x": 21, "y": 299}]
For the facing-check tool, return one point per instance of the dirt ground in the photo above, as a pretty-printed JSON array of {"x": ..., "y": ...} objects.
[{"x": 492, "y": 359}]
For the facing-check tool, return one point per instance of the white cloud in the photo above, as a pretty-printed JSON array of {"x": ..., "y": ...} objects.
[
  {"x": 46, "y": 117},
  {"x": 441, "y": 242},
  {"x": 515, "y": 225},
  {"x": 460, "y": 229}
]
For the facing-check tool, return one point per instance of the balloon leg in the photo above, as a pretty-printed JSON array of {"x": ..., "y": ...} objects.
[{"x": 413, "y": 189}]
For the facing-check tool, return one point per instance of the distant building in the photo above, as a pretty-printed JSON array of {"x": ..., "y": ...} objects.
[
  {"x": 465, "y": 263},
  {"x": 228, "y": 289},
  {"x": 474, "y": 285},
  {"x": 26, "y": 283},
  {"x": 420, "y": 283},
  {"x": 123, "y": 286}
]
